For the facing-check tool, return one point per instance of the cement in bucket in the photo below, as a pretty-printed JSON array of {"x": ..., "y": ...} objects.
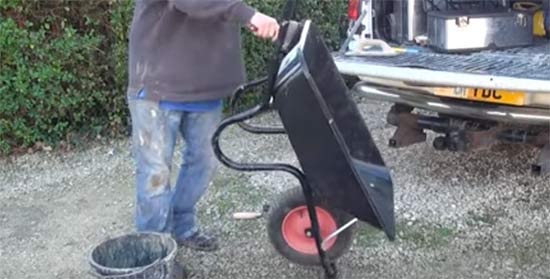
[{"x": 135, "y": 256}]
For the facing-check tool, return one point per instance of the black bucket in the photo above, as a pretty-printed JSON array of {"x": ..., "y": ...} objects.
[{"x": 134, "y": 256}]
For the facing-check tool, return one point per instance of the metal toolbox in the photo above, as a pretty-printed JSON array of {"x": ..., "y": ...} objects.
[
  {"x": 458, "y": 31},
  {"x": 408, "y": 20}
]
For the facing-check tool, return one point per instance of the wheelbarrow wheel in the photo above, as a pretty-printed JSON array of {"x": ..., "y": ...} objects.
[{"x": 289, "y": 229}]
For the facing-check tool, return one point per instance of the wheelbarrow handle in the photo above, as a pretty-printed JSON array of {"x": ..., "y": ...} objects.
[
  {"x": 287, "y": 39},
  {"x": 261, "y": 130},
  {"x": 237, "y": 118},
  {"x": 265, "y": 104}
]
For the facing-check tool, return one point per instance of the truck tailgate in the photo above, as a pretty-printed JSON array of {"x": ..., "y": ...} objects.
[{"x": 523, "y": 69}]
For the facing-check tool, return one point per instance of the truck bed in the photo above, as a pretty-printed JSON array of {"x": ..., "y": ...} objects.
[{"x": 525, "y": 68}]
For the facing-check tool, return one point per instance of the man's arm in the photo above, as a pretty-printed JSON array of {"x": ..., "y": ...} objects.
[{"x": 231, "y": 10}]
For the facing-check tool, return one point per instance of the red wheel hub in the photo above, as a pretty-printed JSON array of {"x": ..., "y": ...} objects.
[{"x": 296, "y": 228}]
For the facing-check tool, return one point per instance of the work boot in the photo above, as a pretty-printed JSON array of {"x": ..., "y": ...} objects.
[{"x": 200, "y": 241}]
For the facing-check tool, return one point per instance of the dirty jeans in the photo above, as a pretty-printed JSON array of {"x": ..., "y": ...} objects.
[{"x": 159, "y": 206}]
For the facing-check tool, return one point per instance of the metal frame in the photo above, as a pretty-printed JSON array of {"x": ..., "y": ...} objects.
[
  {"x": 286, "y": 37},
  {"x": 239, "y": 118},
  {"x": 280, "y": 61}
]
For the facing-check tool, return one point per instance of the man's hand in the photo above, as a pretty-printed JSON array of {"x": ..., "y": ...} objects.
[{"x": 264, "y": 26}]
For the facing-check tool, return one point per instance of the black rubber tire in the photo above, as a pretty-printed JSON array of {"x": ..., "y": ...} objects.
[{"x": 294, "y": 198}]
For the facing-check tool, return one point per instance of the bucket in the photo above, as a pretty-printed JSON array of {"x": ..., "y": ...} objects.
[{"x": 134, "y": 256}]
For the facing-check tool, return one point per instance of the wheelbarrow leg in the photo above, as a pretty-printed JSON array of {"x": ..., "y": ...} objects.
[{"x": 329, "y": 267}]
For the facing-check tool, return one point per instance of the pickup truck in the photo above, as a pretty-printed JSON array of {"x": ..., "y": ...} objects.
[{"x": 470, "y": 93}]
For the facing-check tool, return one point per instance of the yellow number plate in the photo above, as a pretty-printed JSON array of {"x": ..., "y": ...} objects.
[{"x": 483, "y": 95}]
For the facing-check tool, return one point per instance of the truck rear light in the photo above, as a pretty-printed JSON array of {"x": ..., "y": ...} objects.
[{"x": 354, "y": 9}]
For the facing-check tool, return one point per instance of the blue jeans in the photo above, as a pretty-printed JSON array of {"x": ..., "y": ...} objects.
[{"x": 159, "y": 206}]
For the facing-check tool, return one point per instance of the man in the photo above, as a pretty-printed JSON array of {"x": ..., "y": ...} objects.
[{"x": 184, "y": 58}]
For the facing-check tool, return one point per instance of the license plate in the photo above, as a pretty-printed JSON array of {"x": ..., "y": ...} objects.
[{"x": 483, "y": 95}]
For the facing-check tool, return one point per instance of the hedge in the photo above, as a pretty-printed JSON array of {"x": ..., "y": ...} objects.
[{"x": 63, "y": 65}]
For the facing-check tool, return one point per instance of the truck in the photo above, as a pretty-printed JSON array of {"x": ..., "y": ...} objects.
[{"x": 474, "y": 72}]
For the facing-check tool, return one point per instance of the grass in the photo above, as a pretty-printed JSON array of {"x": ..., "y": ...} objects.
[
  {"x": 425, "y": 236},
  {"x": 531, "y": 250},
  {"x": 486, "y": 218},
  {"x": 232, "y": 192},
  {"x": 420, "y": 235},
  {"x": 368, "y": 236}
]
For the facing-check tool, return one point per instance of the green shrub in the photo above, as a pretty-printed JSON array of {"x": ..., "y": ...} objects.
[
  {"x": 57, "y": 77},
  {"x": 63, "y": 64},
  {"x": 50, "y": 87}
]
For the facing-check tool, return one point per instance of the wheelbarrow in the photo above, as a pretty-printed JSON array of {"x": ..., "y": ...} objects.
[{"x": 342, "y": 175}]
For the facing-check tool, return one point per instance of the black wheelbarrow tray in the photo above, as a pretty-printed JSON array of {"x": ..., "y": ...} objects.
[{"x": 343, "y": 176}]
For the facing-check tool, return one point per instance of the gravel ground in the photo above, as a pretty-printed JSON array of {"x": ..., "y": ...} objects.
[{"x": 476, "y": 215}]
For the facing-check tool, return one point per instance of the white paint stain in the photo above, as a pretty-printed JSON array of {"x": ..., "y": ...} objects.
[
  {"x": 153, "y": 113},
  {"x": 155, "y": 147},
  {"x": 142, "y": 69},
  {"x": 141, "y": 140}
]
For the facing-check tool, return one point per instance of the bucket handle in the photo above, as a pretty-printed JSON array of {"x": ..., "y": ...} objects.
[
  {"x": 121, "y": 276},
  {"x": 169, "y": 257}
]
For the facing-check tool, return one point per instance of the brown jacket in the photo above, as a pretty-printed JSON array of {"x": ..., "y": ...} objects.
[{"x": 186, "y": 50}]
